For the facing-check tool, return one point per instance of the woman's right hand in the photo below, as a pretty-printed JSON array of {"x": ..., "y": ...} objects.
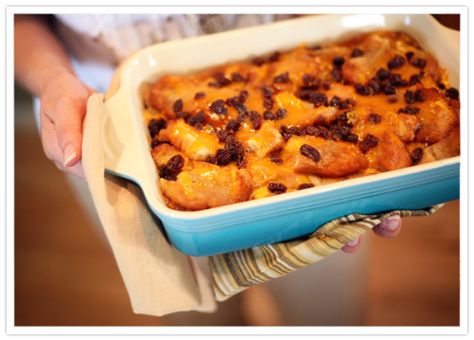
[{"x": 63, "y": 107}]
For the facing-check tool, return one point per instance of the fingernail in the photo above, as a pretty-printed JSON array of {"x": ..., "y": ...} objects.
[
  {"x": 353, "y": 243},
  {"x": 392, "y": 223},
  {"x": 69, "y": 155}
]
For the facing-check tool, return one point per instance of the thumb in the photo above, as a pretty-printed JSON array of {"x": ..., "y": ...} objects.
[{"x": 69, "y": 133}]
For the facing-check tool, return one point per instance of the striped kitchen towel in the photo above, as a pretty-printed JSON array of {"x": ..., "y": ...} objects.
[{"x": 236, "y": 271}]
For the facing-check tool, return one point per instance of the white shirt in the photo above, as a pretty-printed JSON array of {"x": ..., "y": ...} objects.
[{"x": 98, "y": 42}]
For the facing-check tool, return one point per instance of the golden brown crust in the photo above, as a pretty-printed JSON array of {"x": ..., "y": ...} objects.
[
  {"x": 338, "y": 159},
  {"x": 208, "y": 186},
  {"x": 445, "y": 148},
  {"x": 392, "y": 153},
  {"x": 437, "y": 116}
]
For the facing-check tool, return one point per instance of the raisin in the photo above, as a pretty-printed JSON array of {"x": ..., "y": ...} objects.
[
  {"x": 374, "y": 118},
  {"x": 409, "y": 55},
  {"x": 275, "y": 158},
  {"x": 243, "y": 95},
  {"x": 369, "y": 142},
  {"x": 419, "y": 96},
  {"x": 157, "y": 142},
  {"x": 242, "y": 115},
  {"x": 346, "y": 104},
  {"x": 382, "y": 74},
  {"x": 374, "y": 85},
  {"x": 237, "y": 77},
  {"x": 416, "y": 155},
  {"x": 233, "y": 125},
  {"x": 396, "y": 80},
  {"x": 222, "y": 135},
  {"x": 277, "y": 188},
  {"x": 351, "y": 138},
  {"x": 282, "y": 78},
  {"x": 452, "y": 93},
  {"x": 388, "y": 90},
  {"x": 342, "y": 119},
  {"x": 155, "y": 125},
  {"x": 411, "y": 110},
  {"x": 280, "y": 113},
  {"x": 357, "y": 52},
  {"x": 335, "y": 101},
  {"x": 178, "y": 106},
  {"x": 199, "y": 95},
  {"x": 198, "y": 119},
  {"x": 304, "y": 94},
  {"x": 287, "y": 132},
  {"x": 340, "y": 132},
  {"x": 235, "y": 101},
  {"x": 267, "y": 91},
  {"x": 258, "y": 61},
  {"x": 211, "y": 159},
  {"x": 267, "y": 103},
  {"x": 167, "y": 174},
  {"x": 255, "y": 119},
  {"x": 415, "y": 79},
  {"x": 363, "y": 90},
  {"x": 268, "y": 115},
  {"x": 172, "y": 168},
  {"x": 223, "y": 157},
  {"x": 275, "y": 56},
  {"x": 316, "y": 98},
  {"x": 241, "y": 109},
  {"x": 396, "y": 62},
  {"x": 220, "y": 80},
  {"x": 310, "y": 82},
  {"x": 218, "y": 107},
  {"x": 441, "y": 86},
  {"x": 319, "y": 99},
  {"x": 312, "y": 131},
  {"x": 418, "y": 63},
  {"x": 409, "y": 97},
  {"x": 323, "y": 132},
  {"x": 338, "y": 61},
  {"x": 310, "y": 152},
  {"x": 235, "y": 149},
  {"x": 305, "y": 186}
]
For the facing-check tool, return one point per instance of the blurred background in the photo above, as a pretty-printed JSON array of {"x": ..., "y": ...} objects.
[{"x": 65, "y": 273}]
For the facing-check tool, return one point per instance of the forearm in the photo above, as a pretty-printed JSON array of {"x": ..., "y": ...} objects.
[{"x": 39, "y": 55}]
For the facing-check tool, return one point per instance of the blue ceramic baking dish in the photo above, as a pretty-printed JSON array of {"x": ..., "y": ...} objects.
[{"x": 282, "y": 217}]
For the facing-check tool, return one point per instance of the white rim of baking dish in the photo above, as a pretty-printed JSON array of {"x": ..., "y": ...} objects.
[{"x": 126, "y": 131}]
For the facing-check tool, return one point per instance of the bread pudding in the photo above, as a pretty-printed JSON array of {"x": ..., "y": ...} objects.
[{"x": 297, "y": 119}]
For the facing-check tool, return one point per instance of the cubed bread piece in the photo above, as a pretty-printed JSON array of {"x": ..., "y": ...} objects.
[
  {"x": 195, "y": 144},
  {"x": 207, "y": 185},
  {"x": 437, "y": 117},
  {"x": 265, "y": 140},
  {"x": 445, "y": 148},
  {"x": 337, "y": 159},
  {"x": 391, "y": 153},
  {"x": 406, "y": 127}
]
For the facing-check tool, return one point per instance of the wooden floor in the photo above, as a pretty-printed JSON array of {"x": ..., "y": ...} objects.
[{"x": 66, "y": 275}]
